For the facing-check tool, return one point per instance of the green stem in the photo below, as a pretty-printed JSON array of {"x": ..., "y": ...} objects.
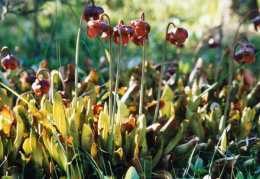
[
  {"x": 161, "y": 75},
  {"x": 110, "y": 146},
  {"x": 111, "y": 70},
  {"x": 77, "y": 50},
  {"x": 142, "y": 81},
  {"x": 143, "y": 74},
  {"x": 229, "y": 85}
]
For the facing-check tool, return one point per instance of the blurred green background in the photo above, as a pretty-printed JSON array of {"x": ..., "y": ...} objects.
[{"x": 35, "y": 30}]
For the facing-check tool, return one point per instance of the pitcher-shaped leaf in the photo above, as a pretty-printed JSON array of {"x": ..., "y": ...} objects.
[
  {"x": 74, "y": 133},
  {"x": 131, "y": 173},
  {"x": 122, "y": 112},
  {"x": 45, "y": 161},
  {"x": 62, "y": 156},
  {"x": 195, "y": 125},
  {"x": 32, "y": 106},
  {"x": 245, "y": 130},
  {"x": 87, "y": 138},
  {"x": 60, "y": 115},
  {"x": 89, "y": 113},
  {"x": 173, "y": 143},
  {"x": 247, "y": 116},
  {"x": 19, "y": 137},
  {"x": 36, "y": 150},
  {"x": 54, "y": 151},
  {"x": 117, "y": 136},
  {"x": 102, "y": 121},
  {"x": 1, "y": 150},
  {"x": 141, "y": 123},
  {"x": 167, "y": 94}
]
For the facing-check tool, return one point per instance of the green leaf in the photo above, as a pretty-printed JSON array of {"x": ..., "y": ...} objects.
[
  {"x": 4, "y": 79},
  {"x": 60, "y": 114},
  {"x": 167, "y": 94},
  {"x": 1, "y": 150},
  {"x": 240, "y": 175},
  {"x": 199, "y": 164},
  {"x": 131, "y": 173}
]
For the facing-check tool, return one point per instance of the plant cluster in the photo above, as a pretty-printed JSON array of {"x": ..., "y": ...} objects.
[{"x": 54, "y": 124}]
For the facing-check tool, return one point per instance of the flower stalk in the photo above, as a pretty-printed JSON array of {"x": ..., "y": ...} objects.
[
  {"x": 229, "y": 83},
  {"x": 77, "y": 49},
  {"x": 143, "y": 73},
  {"x": 110, "y": 145},
  {"x": 111, "y": 69},
  {"x": 161, "y": 75}
]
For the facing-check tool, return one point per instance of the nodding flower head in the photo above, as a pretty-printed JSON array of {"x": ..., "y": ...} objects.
[
  {"x": 212, "y": 43},
  {"x": 96, "y": 27},
  {"x": 177, "y": 36},
  {"x": 256, "y": 22},
  {"x": 10, "y": 61},
  {"x": 41, "y": 86},
  {"x": 126, "y": 33},
  {"x": 141, "y": 31},
  {"x": 92, "y": 11},
  {"x": 245, "y": 54}
]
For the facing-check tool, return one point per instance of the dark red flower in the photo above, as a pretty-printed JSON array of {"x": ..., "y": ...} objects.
[
  {"x": 41, "y": 86},
  {"x": 141, "y": 31},
  {"x": 245, "y": 54},
  {"x": 212, "y": 43},
  {"x": 30, "y": 79},
  {"x": 126, "y": 32},
  {"x": 10, "y": 62},
  {"x": 92, "y": 11},
  {"x": 96, "y": 27},
  {"x": 256, "y": 22},
  {"x": 177, "y": 36},
  {"x": 171, "y": 70}
]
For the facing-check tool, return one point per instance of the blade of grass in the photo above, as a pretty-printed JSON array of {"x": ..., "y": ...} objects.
[{"x": 18, "y": 96}]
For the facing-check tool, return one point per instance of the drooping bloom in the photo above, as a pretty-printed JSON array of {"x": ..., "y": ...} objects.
[
  {"x": 212, "y": 43},
  {"x": 96, "y": 27},
  {"x": 141, "y": 31},
  {"x": 245, "y": 54},
  {"x": 177, "y": 36},
  {"x": 92, "y": 11},
  {"x": 41, "y": 86},
  {"x": 10, "y": 62},
  {"x": 126, "y": 32},
  {"x": 256, "y": 22}
]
